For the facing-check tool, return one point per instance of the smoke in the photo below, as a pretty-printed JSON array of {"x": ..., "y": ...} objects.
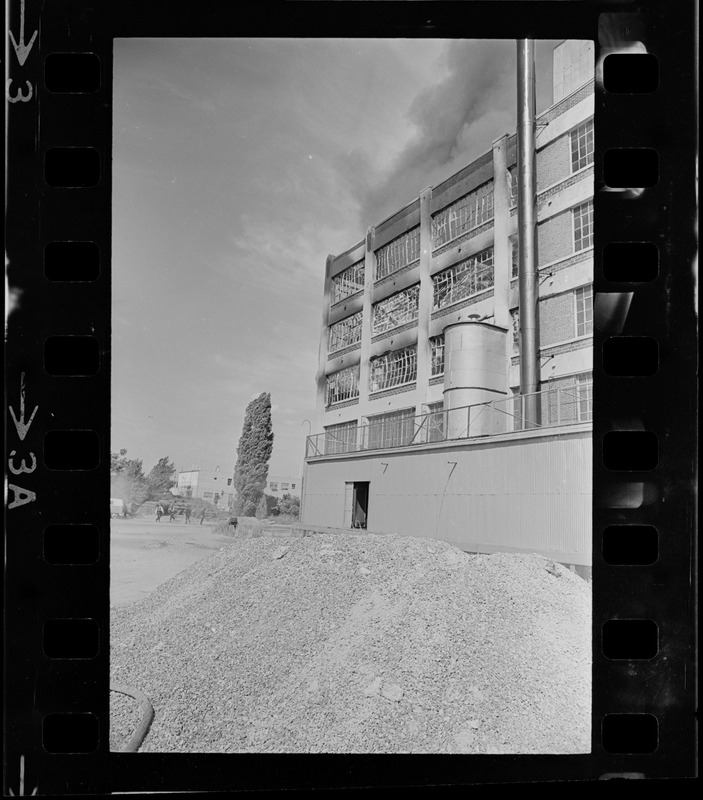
[{"x": 455, "y": 121}]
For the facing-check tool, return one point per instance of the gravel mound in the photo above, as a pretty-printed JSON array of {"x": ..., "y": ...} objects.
[{"x": 357, "y": 644}]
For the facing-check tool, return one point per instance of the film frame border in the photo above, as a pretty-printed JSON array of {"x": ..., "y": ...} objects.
[{"x": 40, "y": 403}]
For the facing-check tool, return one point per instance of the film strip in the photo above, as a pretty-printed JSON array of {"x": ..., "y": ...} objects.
[{"x": 58, "y": 232}]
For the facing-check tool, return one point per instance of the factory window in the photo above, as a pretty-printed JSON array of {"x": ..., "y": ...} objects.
[
  {"x": 584, "y": 390},
  {"x": 584, "y": 310},
  {"x": 343, "y": 385},
  {"x": 470, "y": 211},
  {"x": 435, "y": 422},
  {"x": 273, "y": 486},
  {"x": 513, "y": 186},
  {"x": 284, "y": 487},
  {"x": 514, "y": 255},
  {"x": 292, "y": 486},
  {"x": 582, "y": 146},
  {"x": 515, "y": 318},
  {"x": 393, "y": 369},
  {"x": 348, "y": 282},
  {"x": 463, "y": 279},
  {"x": 396, "y": 254},
  {"x": 229, "y": 481},
  {"x": 437, "y": 354},
  {"x": 568, "y": 399},
  {"x": 391, "y": 430},
  {"x": 396, "y": 310},
  {"x": 583, "y": 226},
  {"x": 340, "y": 438},
  {"x": 345, "y": 332}
]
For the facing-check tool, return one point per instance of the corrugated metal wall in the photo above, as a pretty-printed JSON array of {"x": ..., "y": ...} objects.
[{"x": 529, "y": 493}]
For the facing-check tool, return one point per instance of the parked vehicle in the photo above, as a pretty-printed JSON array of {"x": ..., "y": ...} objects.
[{"x": 117, "y": 507}]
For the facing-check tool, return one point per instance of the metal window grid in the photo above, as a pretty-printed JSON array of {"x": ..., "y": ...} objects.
[
  {"x": 397, "y": 309},
  {"x": 464, "y": 279},
  {"x": 391, "y": 430},
  {"x": 515, "y": 318},
  {"x": 466, "y": 213},
  {"x": 393, "y": 369},
  {"x": 345, "y": 332},
  {"x": 396, "y": 254},
  {"x": 584, "y": 310},
  {"x": 348, "y": 282},
  {"x": 437, "y": 357},
  {"x": 582, "y": 146},
  {"x": 513, "y": 186},
  {"x": 515, "y": 256},
  {"x": 343, "y": 385},
  {"x": 341, "y": 438},
  {"x": 583, "y": 226},
  {"x": 584, "y": 391}
]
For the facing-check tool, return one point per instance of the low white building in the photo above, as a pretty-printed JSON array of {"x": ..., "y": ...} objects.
[
  {"x": 278, "y": 485},
  {"x": 213, "y": 485}
]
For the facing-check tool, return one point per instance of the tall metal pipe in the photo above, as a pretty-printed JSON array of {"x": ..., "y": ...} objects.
[{"x": 527, "y": 232}]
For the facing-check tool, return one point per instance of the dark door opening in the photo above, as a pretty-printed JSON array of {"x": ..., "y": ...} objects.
[{"x": 360, "y": 506}]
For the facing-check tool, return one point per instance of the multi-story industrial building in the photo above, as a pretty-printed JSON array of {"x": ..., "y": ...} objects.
[{"x": 426, "y": 427}]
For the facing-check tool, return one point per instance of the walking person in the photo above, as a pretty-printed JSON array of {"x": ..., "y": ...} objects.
[
  {"x": 202, "y": 516},
  {"x": 159, "y": 512},
  {"x": 187, "y": 513}
]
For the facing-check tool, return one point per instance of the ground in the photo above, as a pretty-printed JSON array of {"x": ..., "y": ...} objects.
[{"x": 145, "y": 553}]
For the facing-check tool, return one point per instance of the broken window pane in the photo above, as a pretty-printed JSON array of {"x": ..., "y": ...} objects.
[
  {"x": 343, "y": 385},
  {"x": 348, "y": 282},
  {"x": 396, "y": 254},
  {"x": 437, "y": 348},
  {"x": 397, "y": 309},
  {"x": 393, "y": 369},
  {"x": 466, "y": 213},
  {"x": 464, "y": 279},
  {"x": 345, "y": 332}
]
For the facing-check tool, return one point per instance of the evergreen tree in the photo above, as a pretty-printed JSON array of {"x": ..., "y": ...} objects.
[
  {"x": 127, "y": 479},
  {"x": 160, "y": 478},
  {"x": 253, "y": 454}
]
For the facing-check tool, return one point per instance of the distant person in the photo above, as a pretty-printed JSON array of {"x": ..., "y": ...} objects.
[
  {"x": 202, "y": 516},
  {"x": 159, "y": 512},
  {"x": 172, "y": 514},
  {"x": 187, "y": 513}
]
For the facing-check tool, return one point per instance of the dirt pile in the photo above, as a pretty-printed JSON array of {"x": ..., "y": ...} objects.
[{"x": 359, "y": 643}]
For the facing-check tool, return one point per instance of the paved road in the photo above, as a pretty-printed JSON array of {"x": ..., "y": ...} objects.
[{"x": 145, "y": 553}]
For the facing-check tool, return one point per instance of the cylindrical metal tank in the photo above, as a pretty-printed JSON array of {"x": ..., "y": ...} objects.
[{"x": 475, "y": 372}]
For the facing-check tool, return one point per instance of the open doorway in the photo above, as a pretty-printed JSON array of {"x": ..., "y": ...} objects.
[{"x": 357, "y": 504}]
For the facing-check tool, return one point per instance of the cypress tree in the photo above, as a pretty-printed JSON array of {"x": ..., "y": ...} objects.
[{"x": 253, "y": 454}]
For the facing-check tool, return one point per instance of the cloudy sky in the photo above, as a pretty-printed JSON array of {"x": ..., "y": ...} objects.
[{"x": 238, "y": 166}]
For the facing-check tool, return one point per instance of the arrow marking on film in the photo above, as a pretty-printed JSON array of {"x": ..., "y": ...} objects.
[
  {"x": 20, "y": 424},
  {"x": 22, "y": 50}
]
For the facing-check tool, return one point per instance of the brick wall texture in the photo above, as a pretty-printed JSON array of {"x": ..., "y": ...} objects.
[
  {"x": 557, "y": 319},
  {"x": 555, "y": 237},
  {"x": 554, "y": 162}
]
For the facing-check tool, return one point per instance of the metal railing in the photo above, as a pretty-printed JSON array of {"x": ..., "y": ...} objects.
[{"x": 566, "y": 406}]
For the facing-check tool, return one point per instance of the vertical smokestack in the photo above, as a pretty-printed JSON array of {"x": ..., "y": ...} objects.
[{"x": 527, "y": 232}]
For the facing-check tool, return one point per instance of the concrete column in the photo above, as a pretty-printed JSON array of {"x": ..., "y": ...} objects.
[
  {"x": 369, "y": 274},
  {"x": 474, "y": 373},
  {"x": 502, "y": 257},
  {"x": 424, "y": 352},
  {"x": 322, "y": 355}
]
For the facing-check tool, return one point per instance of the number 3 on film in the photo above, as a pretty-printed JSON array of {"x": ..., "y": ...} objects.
[
  {"x": 20, "y": 496},
  {"x": 21, "y": 51}
]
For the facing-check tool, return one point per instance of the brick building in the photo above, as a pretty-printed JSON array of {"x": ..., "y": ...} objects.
[{"x": 420, "y": 344}]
